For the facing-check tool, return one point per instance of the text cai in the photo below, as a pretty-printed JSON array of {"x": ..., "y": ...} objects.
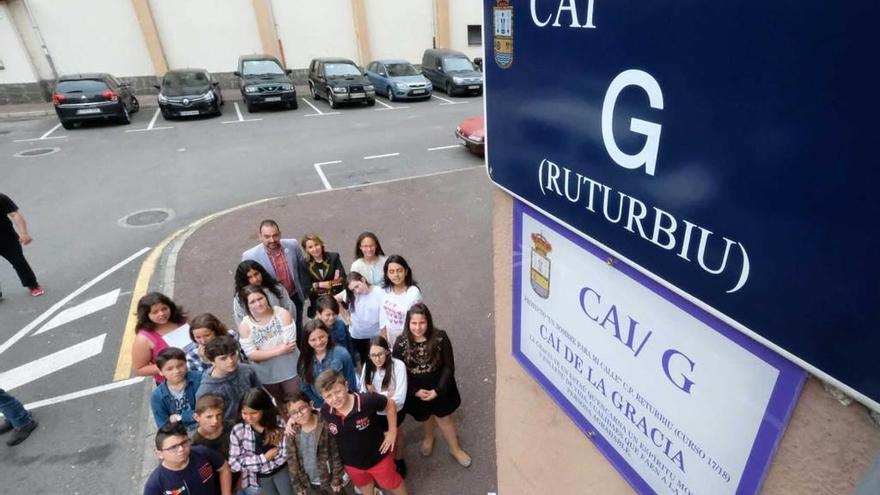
[{"x": 626, "y": 330}]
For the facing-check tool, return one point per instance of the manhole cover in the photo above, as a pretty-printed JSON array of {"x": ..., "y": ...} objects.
[
  {"x": 36, "y": 152},
  {"x": 146, "y": 217}
]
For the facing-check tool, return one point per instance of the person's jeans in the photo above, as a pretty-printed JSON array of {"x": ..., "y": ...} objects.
[
  {"x": 15, "y": 255},
  {"x": 14, "y": 411},
  {"x": 277, "y": 484}
]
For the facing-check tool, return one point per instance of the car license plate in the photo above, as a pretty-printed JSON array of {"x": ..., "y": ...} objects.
[
  {"x": 474, "y": 87},
  {"x": 272, "y": 98},
  {"x": 357, "y": 95},
  {"x": 418, "y": 91},
  {"x": 86, "y": 111},
  {"x": 187, "y": 113}
]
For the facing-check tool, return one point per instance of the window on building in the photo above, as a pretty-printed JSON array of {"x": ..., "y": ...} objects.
[{"x": 475, "y": 35}]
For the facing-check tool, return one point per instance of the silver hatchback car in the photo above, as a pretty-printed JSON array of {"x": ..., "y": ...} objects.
[{"x": 398, "y": 80}]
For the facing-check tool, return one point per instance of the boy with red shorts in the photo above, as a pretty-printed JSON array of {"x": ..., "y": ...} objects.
[{"x": 364, "y": 445}]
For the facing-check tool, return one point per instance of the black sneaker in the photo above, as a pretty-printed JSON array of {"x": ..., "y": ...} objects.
[
  {"x": 401, "y": 467},
  {"x": 5, "y": 426},
  {"x": 21, "y": 435}
]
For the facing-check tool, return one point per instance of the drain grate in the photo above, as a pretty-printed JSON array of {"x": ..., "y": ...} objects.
[
  {"x": 146, "y": 218},
  {"x": 36, "y": 152}
]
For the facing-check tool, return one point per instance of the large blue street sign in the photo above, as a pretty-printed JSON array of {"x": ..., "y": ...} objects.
[{"x": 727, "y": 149}]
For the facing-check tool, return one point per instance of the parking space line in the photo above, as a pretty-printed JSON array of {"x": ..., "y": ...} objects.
[
  {"x": 387, "y": 106},
  {"x": 323, "y": 177},
  {"x": 320, "y": 113},
  {"x": 380, "y": 156},
  {"x": 448, "y": 102},
  {"x": 44, "y": 136},
  {"x": 240, "y": 116},
  {"x": 444, "y": 147},
  {"x": 152, "y": 125}
]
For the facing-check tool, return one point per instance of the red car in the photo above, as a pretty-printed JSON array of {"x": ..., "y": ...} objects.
[{"x": 471, "y": 134}]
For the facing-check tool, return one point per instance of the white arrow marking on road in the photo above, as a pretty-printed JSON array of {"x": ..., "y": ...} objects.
[
  {"x": 40, "y": 319},
  {"x": 91, "y": 306},
  {"x": 26, "y": 373},
  {"x": 82, "y": 393}
]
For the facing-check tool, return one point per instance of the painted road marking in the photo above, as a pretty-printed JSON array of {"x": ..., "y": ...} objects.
[
  {"x": 26, "y": 373},
  {"x": 240, "y": 116},
  {"x": 152, "y": 125},
  {"x": 448, "y": 102},
  {"x": 387, "y": 106},
  {"x": 445, "y": 147},
  {"x": 391, "y": 181},
  {"x": 40, "y": 319},
  {"x": 323, "y": 177},
  {"x": 44, "y": 136},
  {"x": 316, "y": 109},
  {"x": 373, "y": 157},
  {"x": 83, "y": 393},
  {"x": 91, "y": 306}
]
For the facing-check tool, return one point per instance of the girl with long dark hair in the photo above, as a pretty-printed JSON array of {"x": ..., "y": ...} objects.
[
  {"x": 401, "y": 292},
  {"x": 364, "y": 302},
  {"x": 319, "y": 353},
  {"x": 249, "y": 272},
  {"x": 157, "y": 316},
  {"x": 386, "y": 375},
  {"x": 257, "y": 446},
  {"x": 369, "y": 259}
]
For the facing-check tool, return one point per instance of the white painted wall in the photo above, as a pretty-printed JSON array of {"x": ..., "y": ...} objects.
[
  {"x": 206, "y": 34},
  {"x": 400, "y": 28},
  {"x": 13, "y": 55},
  {"x": 315, "y": 29},
  {"x": 462, "y": 13},
  {"x": 30, "y": 39},
  {"x": 93, "y": 36}
]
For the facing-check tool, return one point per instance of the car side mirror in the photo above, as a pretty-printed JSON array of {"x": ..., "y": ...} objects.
[
  {"x": 478, "y": 61},
  {"x": 440, "y": 68},
  {"x": 383, "y": 74},
  {"x": 157, "y": 86},
  {"x": 288, "y": 71},
  {"x": 237, "y": 73}
]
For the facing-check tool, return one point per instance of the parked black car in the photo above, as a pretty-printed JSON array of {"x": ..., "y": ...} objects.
[
  {"x": 263, "y": 81},
  {"x": 452, "y": 71},
  {"x": 339, "y": 80},
  {"x": 82, "y": 97},
  {"x": 188, "y": 92}
]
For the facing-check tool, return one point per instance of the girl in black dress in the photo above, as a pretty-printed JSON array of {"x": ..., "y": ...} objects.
[{"x": 432, "y": 395}]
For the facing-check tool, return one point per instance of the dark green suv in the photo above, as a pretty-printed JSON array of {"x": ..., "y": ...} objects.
[
  {"x": 263, "y": 81},
  {"x": 339, "y": 80}
]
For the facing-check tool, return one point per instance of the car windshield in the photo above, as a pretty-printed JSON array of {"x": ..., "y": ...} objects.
[
  {"x": 81, "y": 86},
  {"x": 341, "y": 70},
  {"x": 405, "y": 69},
  {"x": 260, "y": 67},
  {"x": 453, "y": 64},
  {"x": 185, "y": 80}
]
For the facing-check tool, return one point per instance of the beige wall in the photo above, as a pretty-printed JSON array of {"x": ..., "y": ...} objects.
[
  {"x": 461, "y": 14},
  {"x": 310, "y": 30},
  {"x": 81, "y": 41},
  {"x": 16, "y": 64},
  {"x": 207, "y": 34},
  {"x": 400, "y": 28},
  {"x": 826, "y": 449}
]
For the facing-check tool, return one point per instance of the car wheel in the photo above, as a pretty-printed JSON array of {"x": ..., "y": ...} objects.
[
  {"x": 135, "y": 104},
  {"x": 331, "y": 100},
  {"x": 312, "y": 91},
  {"x": 449, "y": 89},
  {"x": 390, "y": 94},
  {"x": 67, "y": 124},
  {"x": 251, "y": 108},
  {"x": 217, "y": 110},
  {"x": 125, "y": 118},
  {"x": 294, "y": 105},
  {"x": 166, "y": 115},
  {"x": 371, "y": 102}
]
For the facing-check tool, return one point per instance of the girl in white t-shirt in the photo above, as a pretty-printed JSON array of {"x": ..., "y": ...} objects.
[
  {"x": 369, "y": 259},
  {"x": 364, "y": 302},
  {"x": 401, "y": 292}
]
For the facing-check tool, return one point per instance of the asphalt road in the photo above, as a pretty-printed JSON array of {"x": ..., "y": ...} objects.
[{"x": 74, "y": 200}]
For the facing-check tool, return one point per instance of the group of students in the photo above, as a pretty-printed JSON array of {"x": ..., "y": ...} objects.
[{"x": 279, "y": 408}]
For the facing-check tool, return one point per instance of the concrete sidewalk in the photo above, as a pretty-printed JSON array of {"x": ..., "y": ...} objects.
[{"x": 442, "y": 225}]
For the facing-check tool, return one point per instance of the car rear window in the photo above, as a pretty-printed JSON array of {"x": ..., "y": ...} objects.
[
  {"x": 257, "y": 67},
  {"x": 81, "y": 86}
]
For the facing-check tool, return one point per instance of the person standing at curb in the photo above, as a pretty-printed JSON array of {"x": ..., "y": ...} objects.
[
  {"x": 283, "y": 259},
  {"x": 18, "y": 419},
  {"x": 12, "y": 241}
]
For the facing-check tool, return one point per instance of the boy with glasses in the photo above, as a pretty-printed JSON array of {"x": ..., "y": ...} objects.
[
  {"x": 312, "y": 454},
  {"x": 186, "y": 469}
]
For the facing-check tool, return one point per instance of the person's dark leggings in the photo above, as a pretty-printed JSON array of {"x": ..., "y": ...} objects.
[
  {"x": 14, "y": 254},
  {"x": 362, "y": 346}
]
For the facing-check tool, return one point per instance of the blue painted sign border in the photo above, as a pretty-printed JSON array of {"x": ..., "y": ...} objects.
[{"x": 779, "y": 409}]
